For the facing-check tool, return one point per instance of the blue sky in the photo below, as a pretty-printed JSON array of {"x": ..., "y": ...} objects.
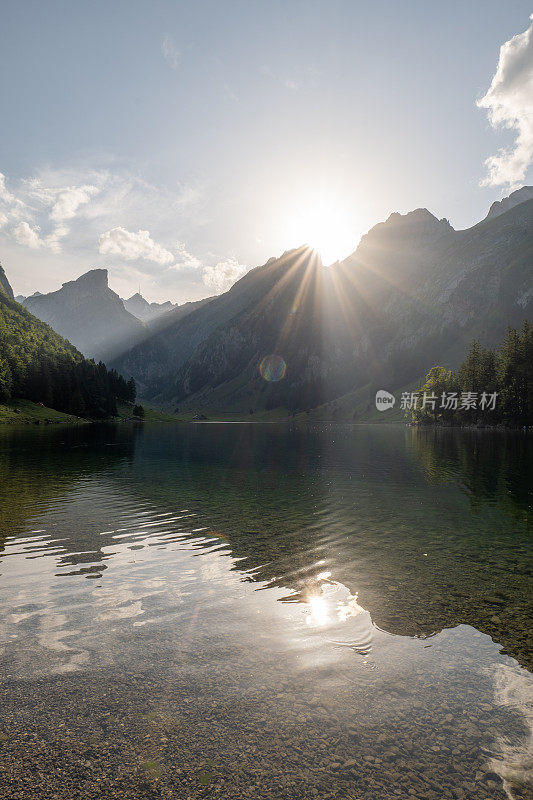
[{"x": 179, "y": 144}]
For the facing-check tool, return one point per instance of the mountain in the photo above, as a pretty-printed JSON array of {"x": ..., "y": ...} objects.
[
  {"x": 514, "y": 199},
  {"x": 414, "y": 293},
  {"x": 259, "y": 300},
  {"x": 90, "y": 315},
  {"x": 145, "y": 311},
  {"x": 37, "y": 364},
  {"x": 20, "y": 298},
  {"x": 473, "y": 284},
  {"x": 5, "y": 286},
  {"x": 394, "y": 251}
]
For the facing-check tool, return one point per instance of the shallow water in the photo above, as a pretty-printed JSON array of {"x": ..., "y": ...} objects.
[{"x": 265, "y": 611}]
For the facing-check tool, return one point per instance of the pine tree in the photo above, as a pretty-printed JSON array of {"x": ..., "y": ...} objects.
[{"x": 132, "y": 390}]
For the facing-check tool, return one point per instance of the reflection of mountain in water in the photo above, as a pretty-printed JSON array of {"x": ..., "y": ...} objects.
[
  {"x": 428, "y": 529},
  {"x": 37, "y": 467},
  {"x": 423, "y": 548}
]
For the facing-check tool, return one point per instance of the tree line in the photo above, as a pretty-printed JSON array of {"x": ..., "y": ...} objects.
[
  {"x": 37, "y": 364},
  {"x": 492, "y": 386}
]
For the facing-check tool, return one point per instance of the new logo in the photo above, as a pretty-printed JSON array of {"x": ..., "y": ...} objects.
[{"x": 384, "y": 400}]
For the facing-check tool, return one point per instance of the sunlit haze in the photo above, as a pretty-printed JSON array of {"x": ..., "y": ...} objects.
[
  {"x": 322, "y": 221},
  {"x": 180, "y": 148}
]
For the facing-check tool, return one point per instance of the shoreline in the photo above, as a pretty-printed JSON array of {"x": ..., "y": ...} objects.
[{"x": 26, "y": 412}]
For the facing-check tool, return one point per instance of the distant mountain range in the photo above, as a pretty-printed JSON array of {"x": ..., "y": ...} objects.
[
  {"x": 89, "y": 314},
  {"x": 145, "y": 311},
  {"x": 414, "y": 293},
  {"x": 20, "y": 298},
  {"x": 95, "y": 319}
]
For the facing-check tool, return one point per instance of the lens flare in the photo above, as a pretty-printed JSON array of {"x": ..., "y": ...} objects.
[{"x": 272, "y": 368}]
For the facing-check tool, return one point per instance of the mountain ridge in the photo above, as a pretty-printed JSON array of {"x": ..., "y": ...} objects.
[
  {"x": 145, "y": 311},
  {"x": 413, "y": 290},
  {"x": 89, "y": 314},
  {"x": 521, "y": 195}
]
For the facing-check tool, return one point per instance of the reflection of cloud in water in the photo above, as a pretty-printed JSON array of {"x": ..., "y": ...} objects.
[
  {"x": 513, "y": 688},
  {"x": 116, "y": 603},
  {"x": 53, "y": 628}
]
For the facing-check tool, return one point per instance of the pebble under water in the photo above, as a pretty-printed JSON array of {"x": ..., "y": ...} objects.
[{"x": 265, "y": 611}]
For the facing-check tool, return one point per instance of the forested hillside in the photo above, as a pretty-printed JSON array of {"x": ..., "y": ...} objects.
[
  {"x": 491, "y": 386},
  {"x": 38, "y": 364}
]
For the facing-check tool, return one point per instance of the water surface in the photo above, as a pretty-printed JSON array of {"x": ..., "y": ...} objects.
[{"x": 326, "y": 611}]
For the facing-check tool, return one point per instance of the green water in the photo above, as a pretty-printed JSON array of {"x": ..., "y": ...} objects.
[{"x": 326, "y": 611}]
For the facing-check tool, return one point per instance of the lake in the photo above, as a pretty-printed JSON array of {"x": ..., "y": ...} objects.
[{"x": 265, "y": 611}]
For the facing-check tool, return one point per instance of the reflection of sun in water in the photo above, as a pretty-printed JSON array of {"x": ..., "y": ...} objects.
[
  {"x": 331, "y": 603},
  {"x": 336, "y": 616},
  {"x": 323, "y": 224},
  {"x": 319, "y": 610}
]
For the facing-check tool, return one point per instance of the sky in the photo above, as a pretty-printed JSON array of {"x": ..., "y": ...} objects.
[{"x": 179, "y": 144}]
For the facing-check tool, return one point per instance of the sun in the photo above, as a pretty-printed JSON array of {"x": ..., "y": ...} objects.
[{"x": 323, "y": 224}]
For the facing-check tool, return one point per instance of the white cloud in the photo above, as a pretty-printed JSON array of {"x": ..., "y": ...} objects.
[
  {"x": 53, "y": 240},
  {"x": 28, "y": 236},
  {"x": 509, "y": 104},
  {"x": 184, "y": 259},
  {"x": 5, "y": 194},
  {"x": 223, "y": 275},
  {"x": 130, "y": 245},
  {"x": 171, "y": 54},
  {"x": 66, "y": 210},
  {"x": 35, "y": 205},
  {"x": 13, "y": 207},
  {"x": 68, "y": 201}
]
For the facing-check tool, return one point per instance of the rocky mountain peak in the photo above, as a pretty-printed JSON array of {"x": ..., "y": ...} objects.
[
  {"x": 514, "y": 199},
  {"x": 419, "y": 218},
  {"x": 96, "y": 280},
  {"x": 89, "y": 314},
  {"x": 401, "y": 245},
  {"x": 143, "y": 310}
]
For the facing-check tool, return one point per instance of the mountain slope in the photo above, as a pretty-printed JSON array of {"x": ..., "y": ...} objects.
[
  {"x": 160, "y": 355},
  {"x": 5, "y": 286},
  {"x": 474, "y": 284},
  {"x": 515, "y": 198},
  {"x": 39, "y": 365},
  {"x": 89, "y": 314},
  {"x": 414, "y": 293}
]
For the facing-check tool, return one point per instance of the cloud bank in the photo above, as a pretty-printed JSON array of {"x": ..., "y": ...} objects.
[
  {"x": 129, "y": 245},
  {"x": 68, "y": 201},
  {"x": 29, "y": 237},
  {"x": 223, "y": 275},
  {"x": 509, "y": 104},
  {"x": 58, "y": 223},
  {"x": 51, "y": 205}
]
